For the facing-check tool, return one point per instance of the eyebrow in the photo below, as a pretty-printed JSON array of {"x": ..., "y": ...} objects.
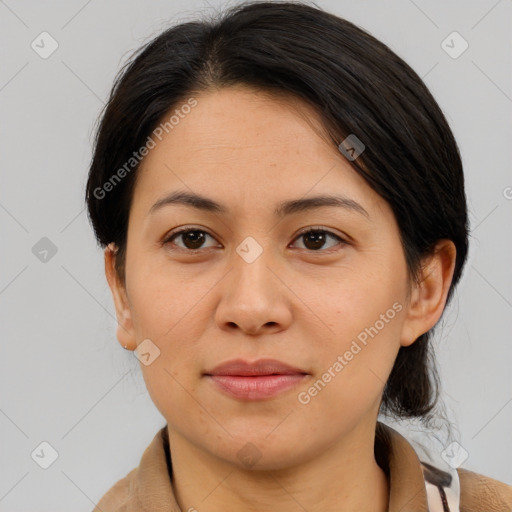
[{"x": 283, "y": 209}]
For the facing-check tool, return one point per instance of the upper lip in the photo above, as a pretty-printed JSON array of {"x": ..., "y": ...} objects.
[{"x": 260, "y": 367}]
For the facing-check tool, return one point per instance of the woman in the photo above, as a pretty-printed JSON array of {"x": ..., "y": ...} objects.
[{"x": 281, "y": 202}]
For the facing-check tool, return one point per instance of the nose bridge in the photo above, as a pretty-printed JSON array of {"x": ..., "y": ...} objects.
[
  {"x": 252, "y": 260},
  {"x": 251, "y": 295}
]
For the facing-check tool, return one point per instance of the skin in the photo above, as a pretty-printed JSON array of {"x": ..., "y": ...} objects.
[{"x": 304, "y": 306}]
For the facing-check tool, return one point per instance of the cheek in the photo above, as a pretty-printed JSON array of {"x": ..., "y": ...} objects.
[
  {"x": 357, "y": 305},
  {"x": 165, "y": 301},
  {"x": 166, "y": 312},
  {"x": 172, "y": 378},
  {"x": 365, "y": 314},
  {"x": 352, "y": 377}
]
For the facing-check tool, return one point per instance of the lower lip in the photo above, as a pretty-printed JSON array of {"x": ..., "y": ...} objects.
[{"x": 258, "y": 387}]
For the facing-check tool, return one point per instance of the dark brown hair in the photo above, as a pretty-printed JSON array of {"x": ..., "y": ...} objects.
[{"x": 355, "y": 83}]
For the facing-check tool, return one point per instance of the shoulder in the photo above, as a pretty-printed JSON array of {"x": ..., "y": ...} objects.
[
  {"x": 480, "y": 493},
  {"x": 118, "y": 496},
  {"x": 146, "y": 486}
]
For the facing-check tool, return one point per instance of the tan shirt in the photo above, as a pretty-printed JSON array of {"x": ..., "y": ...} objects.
[{"x": 414, "y": 486}]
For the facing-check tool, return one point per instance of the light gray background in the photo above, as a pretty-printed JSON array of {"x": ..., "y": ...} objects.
[{"x": 64, "y": 377}]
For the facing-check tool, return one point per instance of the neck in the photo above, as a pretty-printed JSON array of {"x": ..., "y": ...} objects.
[{"x": 345, "y": 476}]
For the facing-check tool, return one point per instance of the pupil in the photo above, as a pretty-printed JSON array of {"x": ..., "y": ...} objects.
[
  {"x": 195, "y": 237},
  {"x": 317, "y": 238}
]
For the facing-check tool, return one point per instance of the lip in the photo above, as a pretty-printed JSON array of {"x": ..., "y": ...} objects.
[
  {"x": 256, "y": 380},
  {"x": 241, "y": 368}
]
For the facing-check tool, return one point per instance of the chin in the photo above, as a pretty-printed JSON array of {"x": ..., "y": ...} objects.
[{"x": 258, "y": 453}]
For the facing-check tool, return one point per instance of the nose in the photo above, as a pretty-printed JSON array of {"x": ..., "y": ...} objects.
[{"x": 254, "y": 297}]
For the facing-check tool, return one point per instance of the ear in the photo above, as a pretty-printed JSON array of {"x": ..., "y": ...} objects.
[
  {"x": 125, "y": 330},
  {"x": 428, "y": 295}
]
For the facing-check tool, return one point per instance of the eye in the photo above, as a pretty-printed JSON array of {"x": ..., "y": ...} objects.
[
  {"x": 191, "y": 238},
  {"x": 315, "y": 238}
]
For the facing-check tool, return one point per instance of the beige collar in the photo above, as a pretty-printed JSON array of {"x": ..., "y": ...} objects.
[{"x": 150, "y": 487}]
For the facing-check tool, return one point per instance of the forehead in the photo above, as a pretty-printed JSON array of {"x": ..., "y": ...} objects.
[
  {"x": 239, "y": 119},
  {"x": 249, "y": 143}
]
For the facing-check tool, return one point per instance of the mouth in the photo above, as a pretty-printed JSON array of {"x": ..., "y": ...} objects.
[{"x": 259, "y": 380}]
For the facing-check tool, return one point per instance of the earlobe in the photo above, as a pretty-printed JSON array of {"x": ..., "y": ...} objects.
[
  {"x": 125, "y": 331},
  {"x": 429, "y": 294}
]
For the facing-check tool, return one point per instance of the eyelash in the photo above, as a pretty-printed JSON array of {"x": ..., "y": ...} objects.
[{"x": 317, "y": 229}]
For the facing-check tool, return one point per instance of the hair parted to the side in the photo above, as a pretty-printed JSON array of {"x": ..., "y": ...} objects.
[{"x": 356, "y": 84}]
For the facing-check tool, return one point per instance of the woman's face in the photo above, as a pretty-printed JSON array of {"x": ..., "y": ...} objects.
[{"x": 246, "y": 285}]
